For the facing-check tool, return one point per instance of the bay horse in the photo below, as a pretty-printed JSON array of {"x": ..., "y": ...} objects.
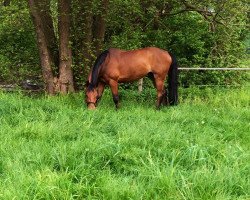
[{"x": 115, "y": 66}]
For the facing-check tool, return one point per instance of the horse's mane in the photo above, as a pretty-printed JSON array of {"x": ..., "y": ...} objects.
[{"x": 95, "y": 70}]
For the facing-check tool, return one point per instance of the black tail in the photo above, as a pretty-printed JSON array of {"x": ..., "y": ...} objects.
[
  {"x": 173, "y": 82},
  {"x": 96, "y": 68}
]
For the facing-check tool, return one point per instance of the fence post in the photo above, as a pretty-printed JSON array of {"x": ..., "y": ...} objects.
[{"x": 140, "y": 85}]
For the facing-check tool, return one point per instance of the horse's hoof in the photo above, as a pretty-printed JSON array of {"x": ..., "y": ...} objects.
[{"x": 117, "y": 107}]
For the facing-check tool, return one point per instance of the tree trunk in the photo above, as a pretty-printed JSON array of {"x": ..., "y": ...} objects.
[
  {"x": 45, "y": 56},
  {"x": 43, "y": 6},
  {"x": 65, "y": 81},
  {"x": 100, "y": 27}
]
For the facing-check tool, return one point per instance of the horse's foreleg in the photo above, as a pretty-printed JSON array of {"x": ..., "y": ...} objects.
[
  {"x": 159, "y": 84},
  {"x": 114, "y": 89},
  {"x": 100, "y": 89}
]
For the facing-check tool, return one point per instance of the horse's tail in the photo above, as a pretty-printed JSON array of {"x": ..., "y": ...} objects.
[
  {"x": 173, "y": 81},
  {"x": 96, "y": 69}
]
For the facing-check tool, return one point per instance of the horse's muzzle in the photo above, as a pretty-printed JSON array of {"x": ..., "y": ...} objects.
[{"x": 91, "y": 106}]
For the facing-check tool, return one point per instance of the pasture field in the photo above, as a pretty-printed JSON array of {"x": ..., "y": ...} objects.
[{"x": 53, "y": 148}]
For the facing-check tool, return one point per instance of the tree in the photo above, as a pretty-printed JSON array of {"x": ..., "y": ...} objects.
[
  {"x": 82, "y": 37},
  {"x": 43, "y": 7},
  {"x": 89, "y": 28},
  {"x": 100, "y": 26},
  {"x": 65, "y": 81},
  {"x": 200, "y": 33},
  {"x": 62, "y": 80},
  {"x": 44, "y": 51}
]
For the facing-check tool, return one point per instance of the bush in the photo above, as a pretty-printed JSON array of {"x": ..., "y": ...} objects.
[
  {"x": 19, "y": 58},
  {"x": 131, "y": 25}
]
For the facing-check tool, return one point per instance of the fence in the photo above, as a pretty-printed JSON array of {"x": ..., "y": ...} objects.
[
  {"x": 215, "y": 69},
  {"x": 140, "y": 82}
]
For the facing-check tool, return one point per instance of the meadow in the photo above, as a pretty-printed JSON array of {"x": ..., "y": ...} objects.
[{"x": 54, "y": 148}]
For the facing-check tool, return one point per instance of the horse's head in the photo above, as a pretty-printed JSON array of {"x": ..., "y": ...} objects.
[{"x": 91, "y": 96}]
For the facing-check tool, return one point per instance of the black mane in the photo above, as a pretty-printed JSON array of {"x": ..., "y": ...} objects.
[{"x": 95, "y": 70}]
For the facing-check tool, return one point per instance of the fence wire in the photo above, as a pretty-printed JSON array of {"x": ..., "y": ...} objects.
[{"x": 214, "y": 69}]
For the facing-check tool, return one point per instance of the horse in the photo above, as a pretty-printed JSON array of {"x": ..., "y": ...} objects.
[{"x": 115, "y": 66}]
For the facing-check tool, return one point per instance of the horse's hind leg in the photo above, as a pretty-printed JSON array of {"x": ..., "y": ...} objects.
[
  {"x": 114, "y": 89},
  {"x": 164, "y": 100},
  {"x": 164, "y": 97},
  {"x": 159, "y": 84}
]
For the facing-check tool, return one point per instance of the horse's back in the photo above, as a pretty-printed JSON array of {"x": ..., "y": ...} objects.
[
  {"x": 150, "y": 54},
  {"x": 134, "y": 64},
  {"x": 157, "y": 60}
]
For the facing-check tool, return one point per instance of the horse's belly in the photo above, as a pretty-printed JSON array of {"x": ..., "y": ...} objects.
[
  {"x": 133, "y": 73},
  {"x": 129, "y": 79}
]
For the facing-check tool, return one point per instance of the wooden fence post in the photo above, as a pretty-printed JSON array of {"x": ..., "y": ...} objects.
[{"x": 140, "y": 85}]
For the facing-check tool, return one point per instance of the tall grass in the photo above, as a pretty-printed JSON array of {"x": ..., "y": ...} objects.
[{"x": 53, "y": 148}]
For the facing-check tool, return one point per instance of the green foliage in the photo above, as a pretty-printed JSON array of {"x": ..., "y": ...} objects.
[
  {"x": 18, "y": 50},
  {"x": 53, "y": 148},
  {"x": 197, "y": 41}
]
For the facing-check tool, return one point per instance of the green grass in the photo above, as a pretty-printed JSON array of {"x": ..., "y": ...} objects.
[{"x": 53, "y": 148}]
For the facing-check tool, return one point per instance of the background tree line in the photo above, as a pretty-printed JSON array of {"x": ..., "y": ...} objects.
[{"x": 57, "y": 41}]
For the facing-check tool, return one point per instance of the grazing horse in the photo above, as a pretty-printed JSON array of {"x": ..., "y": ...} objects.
[{"x": 115, "y": 66}]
